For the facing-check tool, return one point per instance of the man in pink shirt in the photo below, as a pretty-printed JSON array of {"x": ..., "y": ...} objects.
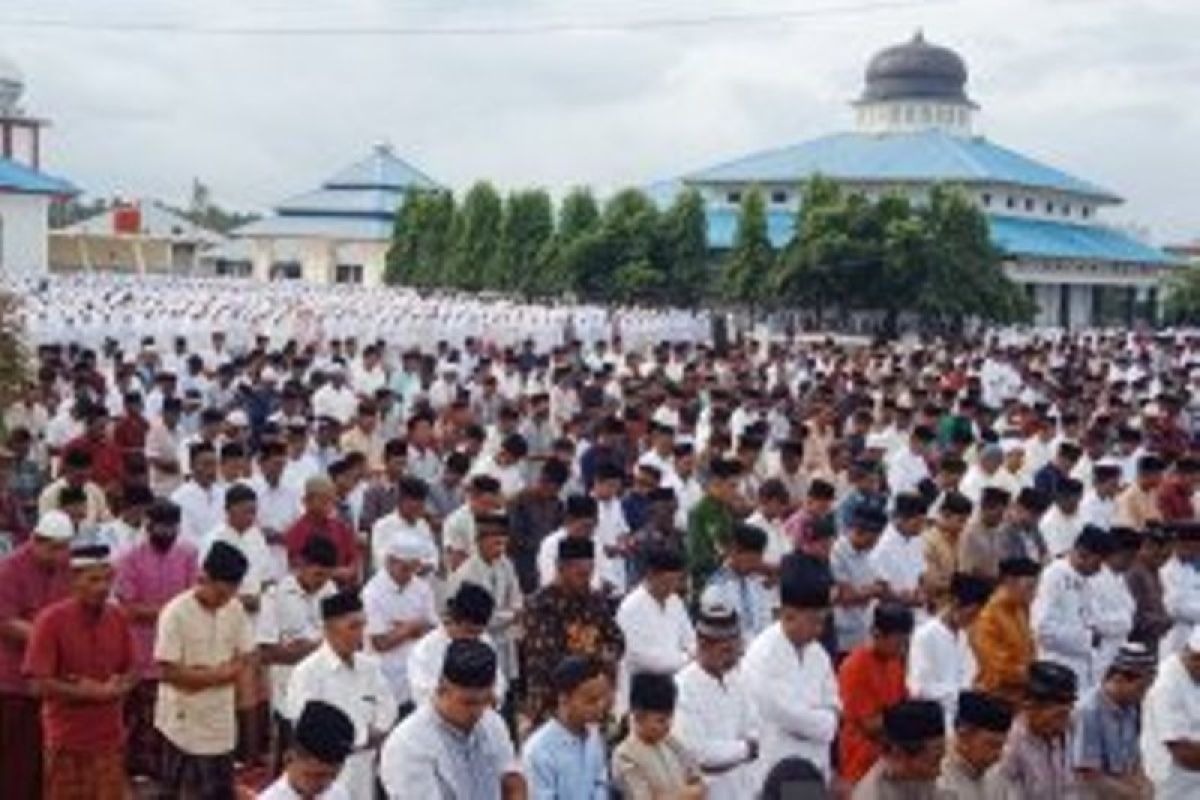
[
  {"x": 154, "y": 571},
  {"x": 32, "y": 578},
  {"x": 80, "y": 659}
]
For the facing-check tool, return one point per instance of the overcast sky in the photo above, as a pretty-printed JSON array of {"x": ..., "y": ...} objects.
[{"x": 1106, "y": 89}]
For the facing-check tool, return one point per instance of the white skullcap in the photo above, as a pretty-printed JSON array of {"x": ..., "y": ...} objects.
[
  {"x": 1011, "y": 445},
  {"x": 409, "y": 546},
  {"x": 876, "y": 441},
  {"x": 55, "y": 525},
  {"x": 238, "y": 417}
]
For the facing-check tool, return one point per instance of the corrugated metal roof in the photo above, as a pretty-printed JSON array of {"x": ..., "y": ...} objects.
[
  {"x": 377, "y": 202},
  {"x": 157, "y": 222},
  {"x": 381, "y": 169},
  {"x": 16, "y": 177},
  {"x": 1047, "y": 239},
  {"x": 316, "y": 226},
  {"x": 1021, "y": 237},
  {"x": 920, "y": 156}
]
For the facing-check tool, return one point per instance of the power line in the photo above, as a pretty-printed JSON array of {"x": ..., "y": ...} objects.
[{"x": 415, "y": 31}]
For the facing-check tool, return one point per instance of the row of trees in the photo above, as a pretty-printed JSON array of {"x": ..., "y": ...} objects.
[
  {"x": 625, "y": 251},
  {"x": 850, "y": 253}
]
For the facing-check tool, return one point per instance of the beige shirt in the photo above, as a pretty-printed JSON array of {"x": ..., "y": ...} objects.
[
  {"x": 199, "y": 723},
  {"x": 643, "y": 772},
  {"x": 1136, "y": 508},
  {"x": 958, "y": 780}
]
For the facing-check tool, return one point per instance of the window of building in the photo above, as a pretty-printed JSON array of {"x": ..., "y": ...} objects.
[
  {"x": 987, "y": 199},
  {"x": 286, "y": 271},
  {"x": 1066, "y": 209},
  {"x": 1029, "y": 204},
  {"x": 734, "y": 197},
  {"x": 1086, "y": 211},
  {"x": 348, "y": 273},
  {"x": 1012, "y": 202},
  {"x": 779, "y": 197},
  {"x": 1049, "y": 207}
]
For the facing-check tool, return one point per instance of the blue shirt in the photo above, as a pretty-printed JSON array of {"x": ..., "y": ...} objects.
[
  {"x": 560, "y": 765},
  {"x": 1106, "y": 735}
]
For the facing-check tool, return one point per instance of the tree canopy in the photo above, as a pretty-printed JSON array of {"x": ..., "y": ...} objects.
[{"x": 849, "y": 252}]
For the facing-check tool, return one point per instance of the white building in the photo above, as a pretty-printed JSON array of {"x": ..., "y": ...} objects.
[
  {"x": 916, "y": 127},
  {"x": 337, "y": 233},
  {"x": 25, "y": 191},
  {"x": 140, "y": 236}
]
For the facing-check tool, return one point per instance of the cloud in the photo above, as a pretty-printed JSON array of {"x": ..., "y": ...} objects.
[{"x": 1103, "y": 88}]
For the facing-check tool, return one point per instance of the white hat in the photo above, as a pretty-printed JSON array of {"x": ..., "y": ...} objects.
[
  {"x": 409, "y": 547},
  {"x": 237, "y": 418},
  {"x": 55, "y": 525},
  {"x": 876, "y": 441}
]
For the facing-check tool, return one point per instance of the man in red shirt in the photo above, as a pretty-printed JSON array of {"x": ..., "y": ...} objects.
[
  {"x": 108, "y": 460},
  {"x": 319, "y": 519},
  {"x": 33, "y": 577},
  {"x": 870, "y": 680},
  {"x": 1175, "y": 494},
  {"x": 129, "y": 432},
  {"x": 80, "y": 658}
]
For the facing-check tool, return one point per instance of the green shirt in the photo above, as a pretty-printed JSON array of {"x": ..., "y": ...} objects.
[{"x": 710, "y": 526}]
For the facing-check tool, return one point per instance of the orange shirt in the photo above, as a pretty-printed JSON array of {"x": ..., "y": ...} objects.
[
  {"x": 1003, "y": 643},
  {"x": 868, "y": 683}
]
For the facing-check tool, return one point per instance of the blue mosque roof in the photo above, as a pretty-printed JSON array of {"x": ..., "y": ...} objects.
[
  {"x": 358, "y": 202},
  {"x": 924, "y": 156},
  {"x": 16, "y": 177},
  {"x": 1015, "y": 236}
]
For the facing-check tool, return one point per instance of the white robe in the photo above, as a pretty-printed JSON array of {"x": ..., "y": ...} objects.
[
  {"x": 714, "y": 719},
  {"x": 1181, "y": 598},
  {"x": 1061, "y": 622},
  {"x": 940, "y": 665},
  {"x": 795, "y": 696},
  {"x": 659, "y": 638},
  {"x": 1171, "y": 712}
]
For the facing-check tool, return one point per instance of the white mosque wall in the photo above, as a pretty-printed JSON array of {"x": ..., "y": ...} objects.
[
  {"x": 24, "y": 231},
  {"x": 318, "y": 260}
]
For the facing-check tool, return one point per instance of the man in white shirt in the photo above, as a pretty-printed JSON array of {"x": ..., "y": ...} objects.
[
  {"x": 162, "y": 448},
  {"x": 941, "y": 663},
  {"x": 791, "y": 681},
  {"x": 714, "y": 718},
  {"x": 407, "y": 519},
  {"x": 1061, "y": 615},
  {"x": 908, "y": 467},
  {"x": 579, "y": 522},
  {"x": 400, "y": 610},
  {"x": 335, "y": 399},
  {"x": 456, "y": 746},
  {"x": 506, "y": 465},
  {"x": 468, "y": 614},
  {"x": 1180, "y": 578},
  {"x": 1099, "y": 505},
  {"x": 458, "y": 530},
  {"x": 1171, "y": 724},
  {"x": 1062, "y": 522},
  {"x": 278, "y": 502},
  {"x": 289, "y": 626},
  {"x": 323, "y": 740},
  {"x": 340, "y": 674},
  {"x": 738, "y": 583},
  {"x": 984, "y": 473},
  {"x": 201, "y": 499},
  {"x": 659, "y": 637},
  {"x": 899, "y": 557}
]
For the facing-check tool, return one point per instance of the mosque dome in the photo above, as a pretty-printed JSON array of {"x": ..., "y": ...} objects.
[
  {"x": 916, "y": 70},
  {"x": 12, "y": 85}
]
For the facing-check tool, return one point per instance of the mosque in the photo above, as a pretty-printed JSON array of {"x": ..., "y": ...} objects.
[
  {"x": 338, "y": 232},
  {"x": 916, "y": 127},
  {"x": 26, "y": 192}
]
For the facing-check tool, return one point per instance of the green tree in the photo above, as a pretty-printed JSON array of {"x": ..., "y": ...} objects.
[
  {"x": 627, "y": 240},
  {"x": 473, "y": 259},
  {"x": 808, "y": 266},
  {"x": 965, "y": 275},
  {"x": 421, "y": 239},
  {"x": 750, "y": 263},
  {"x": 525, "y": 233},
  {"x": 684, "y": 239},
  {"x": 1182, "y": 303},
  {"x": 579, "y": 214}
]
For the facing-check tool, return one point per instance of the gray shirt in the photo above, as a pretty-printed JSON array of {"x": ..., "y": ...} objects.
[
  {"x": 853, "y": 567},
  {"x": 1106, "y": 735}
]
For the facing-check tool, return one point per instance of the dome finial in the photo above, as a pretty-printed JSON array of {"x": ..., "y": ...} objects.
[{"x": 919, "y": 36}]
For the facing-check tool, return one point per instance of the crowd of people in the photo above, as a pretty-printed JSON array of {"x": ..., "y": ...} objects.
[{"x": 361, "y": 565}]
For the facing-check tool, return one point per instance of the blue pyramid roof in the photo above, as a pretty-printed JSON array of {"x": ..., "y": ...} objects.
[
  {"x": 16, "y": 177},
  {"x": 380, "y": 170},
  {"x": 923, "y": 156}
]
